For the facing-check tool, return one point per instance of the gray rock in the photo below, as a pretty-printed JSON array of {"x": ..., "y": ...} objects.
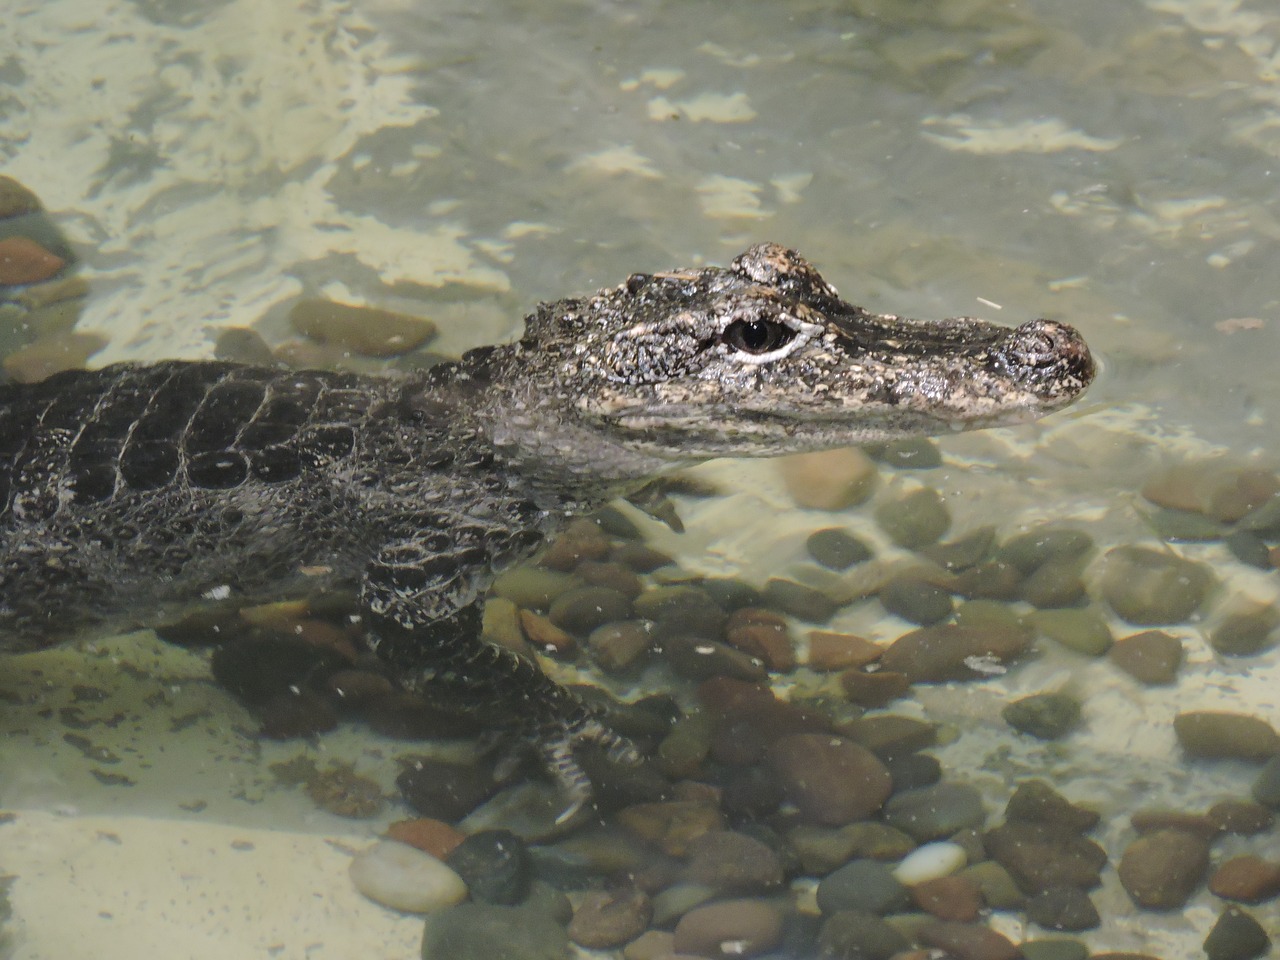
[
  {"x": 1236, "y": 936},
  {"x": 1046, "y": 716},
  {"x": 867, "y": 886},
  {"x": 1150, "y": 588},
  {"x": 495, "y": 865},
  {"x": 837, "y": 549},
  {"x": 915, "y": 519},
  {"x": 935, "y": 812}
]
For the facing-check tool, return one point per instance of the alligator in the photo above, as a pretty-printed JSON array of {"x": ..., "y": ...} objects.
[{"x": 128, "y": 489}]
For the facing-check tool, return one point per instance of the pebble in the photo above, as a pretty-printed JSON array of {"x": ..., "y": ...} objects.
[
  {"x": 830, "y": 479},
  {"x": 483, "y": 931},
  {"x": 915, "y": 598},
  {"x": 821, "y": 850},
  {"x": 837, "y": 549},
  {"x": 761, "y": 634},
  {"x": 1247, "y": 547},
  {"x": 581, "y": 609},
  {"x": 620, "y": 646},
  {"x": 1046, "y": 716},
  {"x": 999, "y": 891},
  {"x": 1029, "y": 551},
  {"x": 442, "y": 790},
  {"x": 50, "y": 354},
  {"x": 1220, "y": 490},
  {"x": 965, "y": 941},
  {"x": 1081, "y": 630},
  {"x": 671, "y": 825},
  {"x": 890, "y": 735},
  {"x": 610, "y": 573},
  {"x": 243, "y": 345},
  {"x": 804, "y": 603},
  {"x": 930, "y": 862},
  {"x": 1063, "y": 908},
  {"x": 1217, "y": 734},
  {"x": 874, "y": 689},
  {"x": 1162, "y": 869},
  {"x": 750, "y": 794},
  {"x": 495, "y": 866},
  {"x": 932, "y": 813},
  {"x": 1266, "y": 788},
  {"x": 430, "y": 836},
  {"x": 840, "y": 651},
  {"x": 650, "y": 945},
  {"x": 735, "y": 862},
  {"x": 949, "y": 898},
  {"x": 544, "y": 635},
  {"x": 1236, "y": 936},
  {"x": 607, "y": 919},
  {"x": 831, "y": 780},
  {"x": 915, "y": 519},
  {"x": 1041, "y": 856},
  {"x": 15, "y": 199},
  {"x": 1184, "y": 526},
  {"x": 1053, "y": 949},
  {"x": 404, "y": 878},
  {"x": 1147, "y": 820},
  {"x": 697, "y": 658},
  {"x": 914, "y": 771},
  {"x": 369, "y": 331},
  {"x": 867, "y": 886},
  {"x": 945, "y": 652},
  {"x": 1152, "y": 657},
  {"x": 24, "y": 261},
  {"x": 345, "y": 793},
  {"x": 909, "y": 453},
  {"x": 1054, "y": 584},
  {"x": 1034, "y": 801},
  {"x": 732, "y": 928},
  {"x": 534, "y": 587},
  {"x": 1241, "y": 817},
  {"x": 989, "y": 581},
  {"x": 963, "y": 552},
  {"x": 1151, "y": 588},
  {"x": 854, "y": 935},
  {"x": 1246, "y": 879},
  {"x": 1245, "y": 634}
]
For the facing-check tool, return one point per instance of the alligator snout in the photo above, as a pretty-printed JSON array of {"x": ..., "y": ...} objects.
[{"x": 1043, "y": 351}]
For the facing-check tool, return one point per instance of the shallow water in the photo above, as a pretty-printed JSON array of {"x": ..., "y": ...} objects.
[{"x": 1113, "y": 166}]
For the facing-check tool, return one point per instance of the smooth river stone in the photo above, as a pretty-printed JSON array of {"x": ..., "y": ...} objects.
[
  {"x": 1162, "y": 869},
  {"x": 1151, "y": 587},
  {"x": 402, "y": 877},
  {"x": 832, "y": 781},
  {"x": 1217, "y": 734},
  {"x": 731, "y": 928}
]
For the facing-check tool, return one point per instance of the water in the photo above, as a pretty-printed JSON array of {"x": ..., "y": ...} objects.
[{"x": 1110, "y": 165}]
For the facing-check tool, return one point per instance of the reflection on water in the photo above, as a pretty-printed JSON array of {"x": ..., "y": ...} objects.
[{"x": 213, "y": 165}]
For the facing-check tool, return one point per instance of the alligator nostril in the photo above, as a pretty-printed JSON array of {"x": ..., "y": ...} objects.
[{"x": 1044, "y": 343}]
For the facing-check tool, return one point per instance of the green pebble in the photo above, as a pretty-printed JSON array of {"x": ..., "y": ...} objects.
[
  {"x": 1184, "y": 525},
  {"x": 999, "y": 890},
  {"x": 915, "y": 519},
  {"x": 532, "y": 586},
  {"x": 1217, "y": 734},
  {"x": 1054, "y": 949},
  {"x": 962, "y": 552},
  {"x": 837, "y": 549},
  {"x": 1029, "y": 550},
  {"x": 482, "y": 931},
  {"x": 798, "y": 600},
  {"x": 1266, "y": 788},
  {"x": 912, "y": 453},
  {"x": 1046, "y": 716},
  {"x": 915, "y": 599},
  {"x": 1244, "y": 634},
  {"x": 1084, "y": 631},
  {"x": 1236, "y": 936},
  {"x": 1151, "y": 587},
  {"x": 1055, "y": 583},
  {"x": 987, "y": 613}
]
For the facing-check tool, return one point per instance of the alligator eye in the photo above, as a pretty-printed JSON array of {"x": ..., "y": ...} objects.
[{"x": 757, "y": 336}]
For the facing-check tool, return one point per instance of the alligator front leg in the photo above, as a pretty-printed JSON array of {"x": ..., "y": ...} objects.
[{"x": 424, "y": 620}]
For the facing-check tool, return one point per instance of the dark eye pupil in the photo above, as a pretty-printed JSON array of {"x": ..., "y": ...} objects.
[{"x": 756, "y": 336}]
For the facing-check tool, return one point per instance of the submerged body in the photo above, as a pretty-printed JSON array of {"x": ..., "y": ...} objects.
[{"x": 128, "y": 489}]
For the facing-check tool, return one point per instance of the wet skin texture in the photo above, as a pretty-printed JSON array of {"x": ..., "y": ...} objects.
[{"x": 128, "y": 489}]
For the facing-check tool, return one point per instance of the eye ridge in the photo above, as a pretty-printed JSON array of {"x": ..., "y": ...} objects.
[{"x": 757, "y": 336}]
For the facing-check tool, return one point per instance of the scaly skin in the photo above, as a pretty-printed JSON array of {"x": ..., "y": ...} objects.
[{"x": 129, "y": 489}]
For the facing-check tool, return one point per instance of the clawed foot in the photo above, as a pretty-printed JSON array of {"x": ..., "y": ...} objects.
[{"x": 557, "y": 751}]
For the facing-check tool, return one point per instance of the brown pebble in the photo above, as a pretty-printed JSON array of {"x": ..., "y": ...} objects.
[
  {"x": 874, "y": 689},
  {"x": 430, "y": 836},
  {"x": 610, "y": 573},
  {"x": 1246, "y": 879},
  {"x": 650, "y": 945},
  {"x": 354, "y": 688},
  {"x": 24, "y": 261},
  {"x": 1215, "y": 488},
  {"x": 671, "y": 825},
  {"x": 949, "y": 898},
  {"x": 1145, "y": 821},
  {"x": 840, "y": 651},
  {"x": 832, "y": 781},
  {"x": 1220, "y": 733},
  {"x": 15, "y": 199},
  {"x": 768, "y": 642},
  {"x": 369, "y": 331},
  {"x": 1152, "y": 657},
  {"x": 1241, "y": 817},
  {"x": 945, "y": 652},
  {"x": 52, "y": 354},
  {"x": 1162, "y": 869},
  {"x": 731, "y": 928},
  {"x": 617, "y": 647},
  {"x": 830, "y": 479},
  {"x": 968, "y": 941},
  {"x": 607, "y": 919},
  {"x": 545, "y": 636},
  {"x": 733, "y": 861}
]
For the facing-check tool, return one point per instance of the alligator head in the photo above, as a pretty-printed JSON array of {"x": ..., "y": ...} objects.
[{"x": 764, "y": 358}]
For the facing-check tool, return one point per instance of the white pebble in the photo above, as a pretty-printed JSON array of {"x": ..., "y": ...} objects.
[
  {"x": 402, "y": 877},
  {"x": 929, "y": 862}
]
